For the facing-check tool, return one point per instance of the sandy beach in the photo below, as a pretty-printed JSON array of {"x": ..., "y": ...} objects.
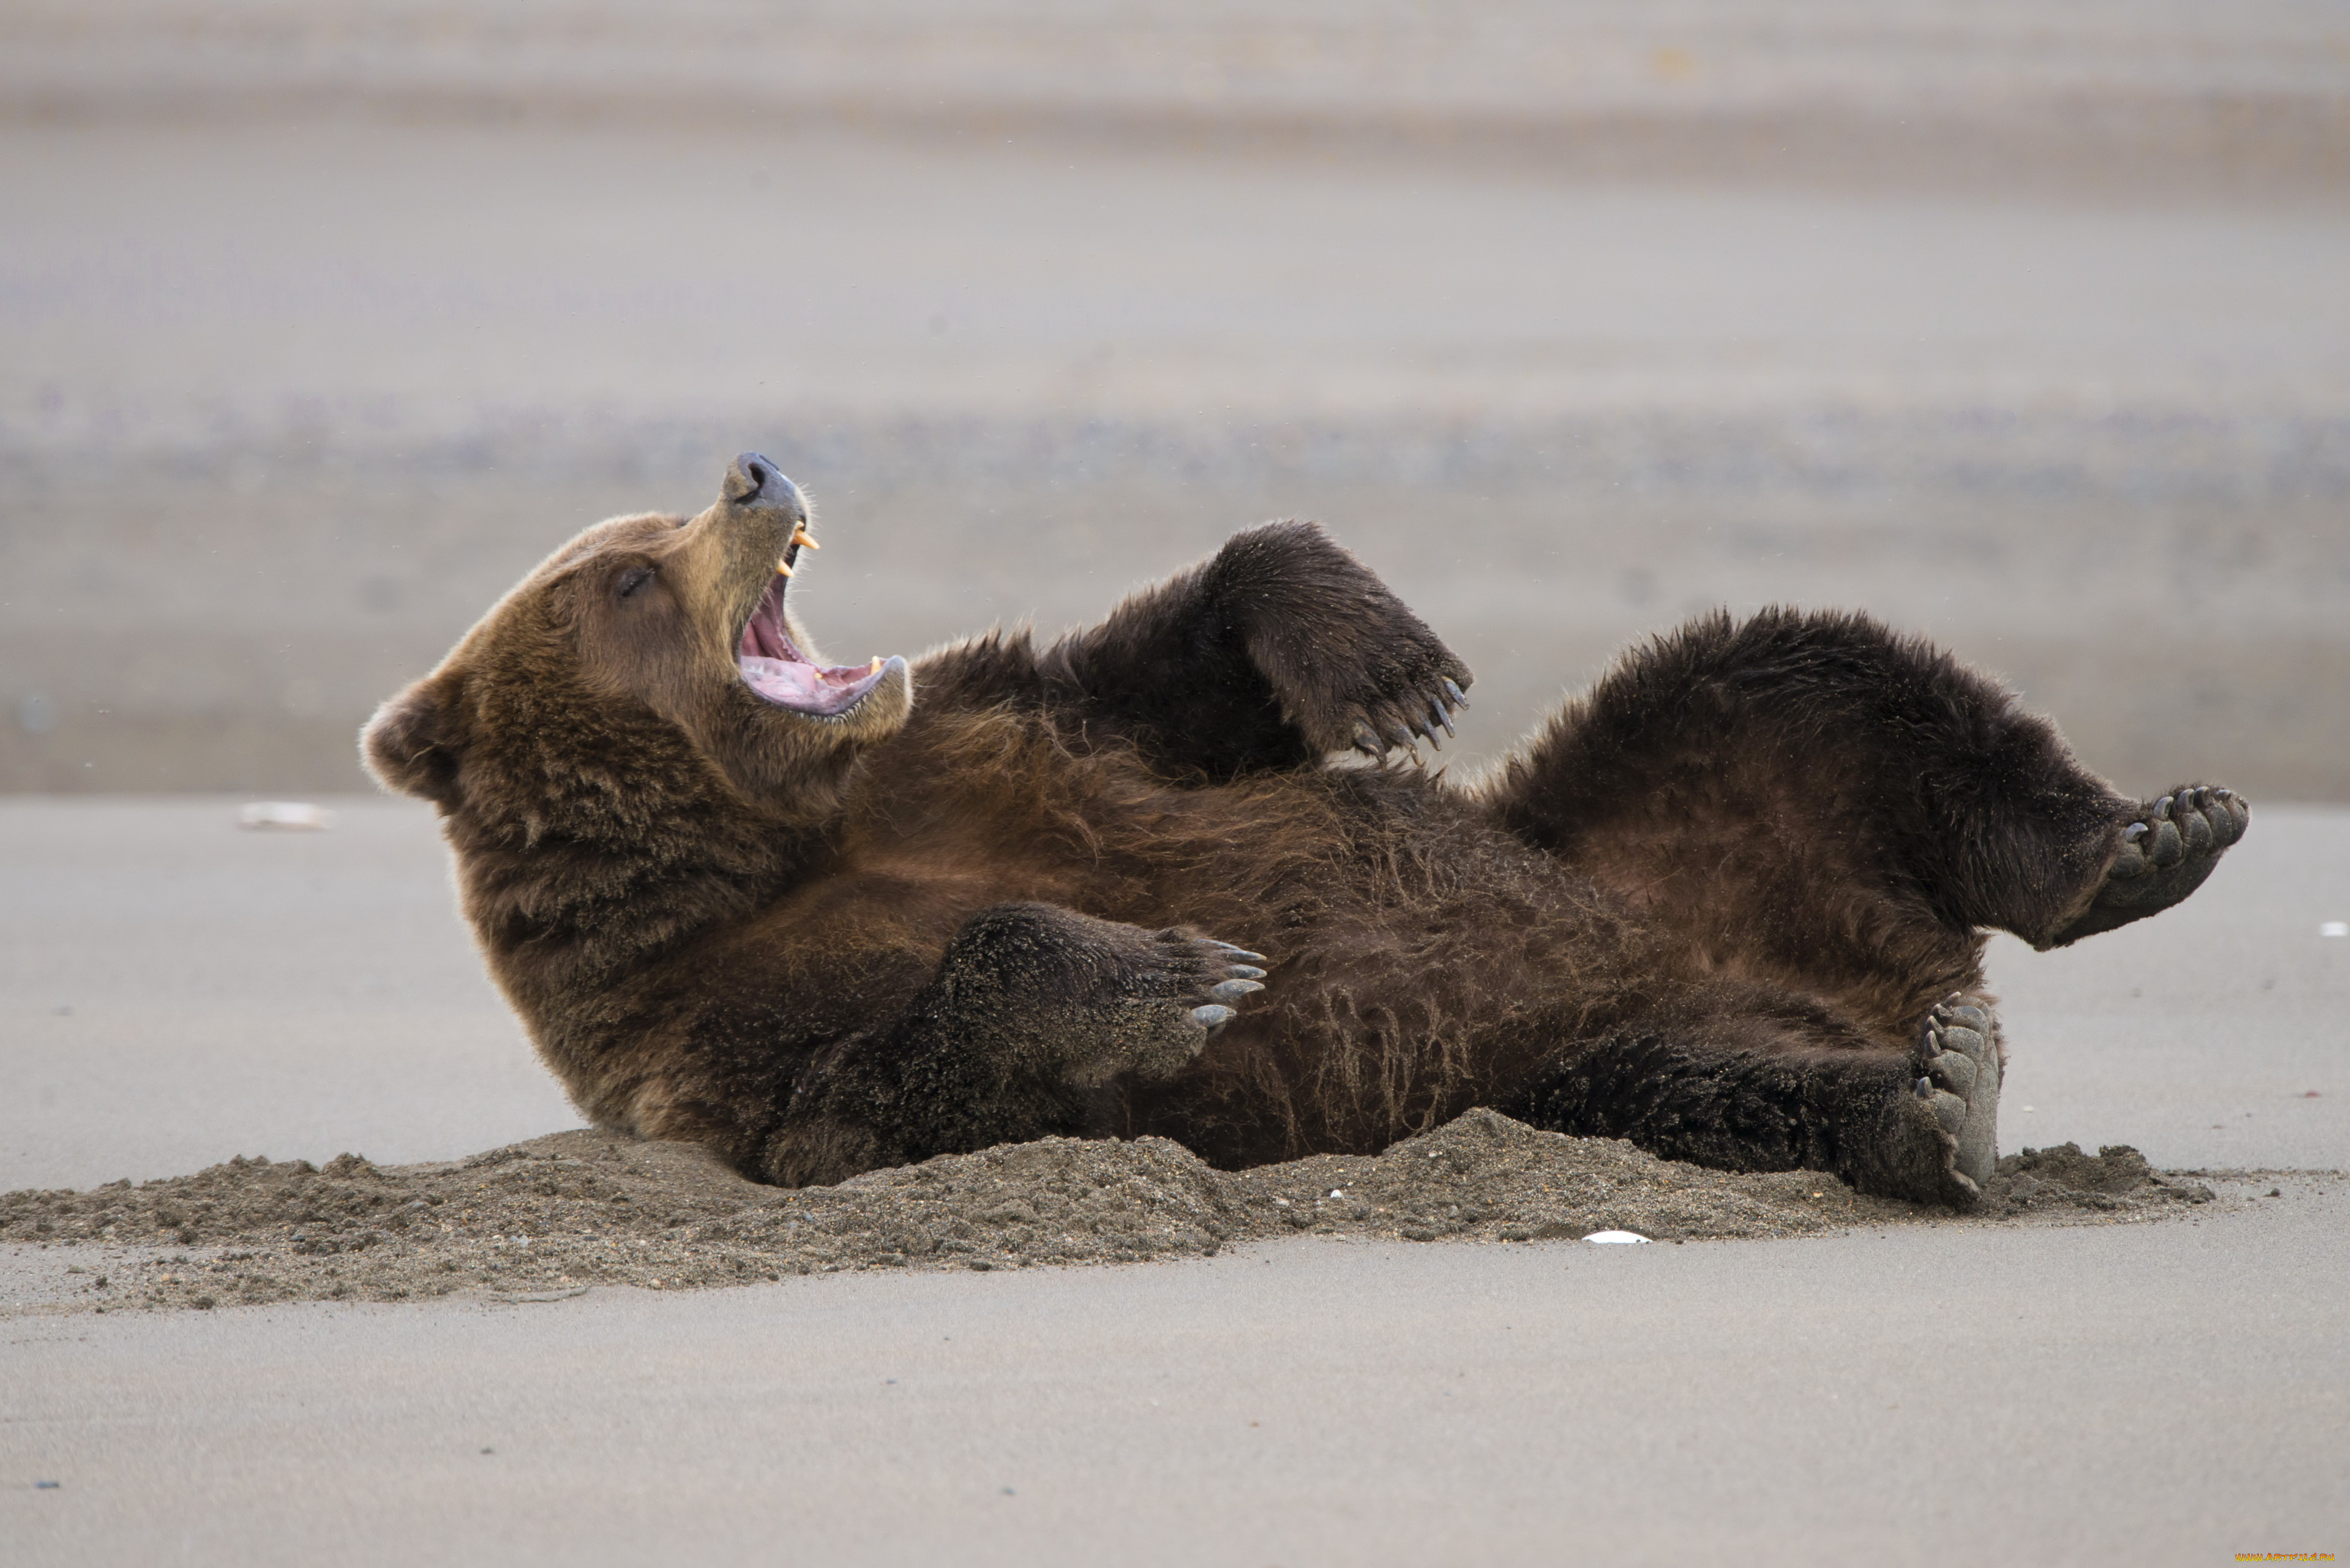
[{"x": 2168, "y": 1393}]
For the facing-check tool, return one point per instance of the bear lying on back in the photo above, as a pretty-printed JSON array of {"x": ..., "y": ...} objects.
[{"x": 1730, "y": 905}]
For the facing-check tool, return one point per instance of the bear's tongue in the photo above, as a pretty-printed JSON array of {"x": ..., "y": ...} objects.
[
  {"x": 806, "y": 689},
  {"x": 774, "y": 669}
]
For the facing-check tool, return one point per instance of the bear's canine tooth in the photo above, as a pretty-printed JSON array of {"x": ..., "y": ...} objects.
[
  {"x": 800, "y": 535},
  {"x": 783, "y": 568},
  {"x": 875, "y": 664}
]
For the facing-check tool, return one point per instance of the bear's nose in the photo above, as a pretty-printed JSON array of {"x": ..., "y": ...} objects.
[{"x": 753, "y": 480}]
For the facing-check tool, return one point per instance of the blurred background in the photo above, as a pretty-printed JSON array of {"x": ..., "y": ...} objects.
[{"x": 2025, "y": 325}]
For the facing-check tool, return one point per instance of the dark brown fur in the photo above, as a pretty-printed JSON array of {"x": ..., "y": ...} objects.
[{"x": 1708, "y": 908}]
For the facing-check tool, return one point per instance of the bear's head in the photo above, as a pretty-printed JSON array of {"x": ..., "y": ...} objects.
[{"x": 649, "y": 667}]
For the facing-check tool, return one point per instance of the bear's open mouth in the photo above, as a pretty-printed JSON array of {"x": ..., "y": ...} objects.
[{"x": 775, "y": 670}]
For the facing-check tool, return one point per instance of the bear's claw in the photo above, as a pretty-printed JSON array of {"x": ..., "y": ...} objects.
[
  {"x": 2163, "y": 856},
  {"x": 1231, "y": 973},
  {"x": 1181, "y": 996},
  {"x": 1400, "y": 724}
]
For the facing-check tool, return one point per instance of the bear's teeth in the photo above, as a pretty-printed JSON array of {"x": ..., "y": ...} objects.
[
  {"x": 875, "y": 664},
  {"x": 800, "y": 535},
  {"x": 783, "y": 568}
]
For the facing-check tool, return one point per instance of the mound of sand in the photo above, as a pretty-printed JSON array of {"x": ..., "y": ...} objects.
[{"x": 558, "y": 1214}]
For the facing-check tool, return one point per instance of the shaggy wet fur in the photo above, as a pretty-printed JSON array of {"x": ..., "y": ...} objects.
[{"x": 1711, "y": 908}]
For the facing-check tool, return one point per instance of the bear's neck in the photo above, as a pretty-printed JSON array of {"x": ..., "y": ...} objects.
[{"x": 575, "y": 894}]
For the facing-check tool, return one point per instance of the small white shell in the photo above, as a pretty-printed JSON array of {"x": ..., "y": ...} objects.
[
  {"x": 299, "y": 815},
  {"x": 1615, "y": 1235}
]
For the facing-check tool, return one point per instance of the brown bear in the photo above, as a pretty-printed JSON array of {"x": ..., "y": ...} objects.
[{"x": 1730, "y": 905}]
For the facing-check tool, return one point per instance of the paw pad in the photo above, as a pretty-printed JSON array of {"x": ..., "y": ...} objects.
[
  {"x": 1958, "y": 1061},
  {"x": 2200, "y": 821}
]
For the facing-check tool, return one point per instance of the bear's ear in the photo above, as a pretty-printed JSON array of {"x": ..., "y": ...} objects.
[{"x": 411, "y": 743}]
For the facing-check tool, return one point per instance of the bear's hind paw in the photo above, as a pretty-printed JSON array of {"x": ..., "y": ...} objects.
[{"x": 2164, "y": 856}]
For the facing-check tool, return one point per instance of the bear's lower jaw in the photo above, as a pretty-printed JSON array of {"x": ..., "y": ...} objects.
[{"x": 825, "y": 692}]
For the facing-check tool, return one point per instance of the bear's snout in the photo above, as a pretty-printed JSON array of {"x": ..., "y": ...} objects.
[{"x": 753, "y": 480}]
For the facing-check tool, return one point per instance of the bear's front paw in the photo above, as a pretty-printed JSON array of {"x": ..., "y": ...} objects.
[
  {"x": 1958, "y": 1065},
  {"x": 1168, "y": 1007}
]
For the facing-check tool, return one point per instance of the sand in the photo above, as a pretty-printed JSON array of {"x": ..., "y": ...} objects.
[
  {"x": 560, "y": 1214},
  {"x": 2167, "y": 1392}
]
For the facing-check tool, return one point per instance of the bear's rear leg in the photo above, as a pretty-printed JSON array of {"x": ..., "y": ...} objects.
[
  {"x": 1816, "y": 801},
  {"x": 1750, "y": 1081},
  {"x": 2164, "y": 856}
]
